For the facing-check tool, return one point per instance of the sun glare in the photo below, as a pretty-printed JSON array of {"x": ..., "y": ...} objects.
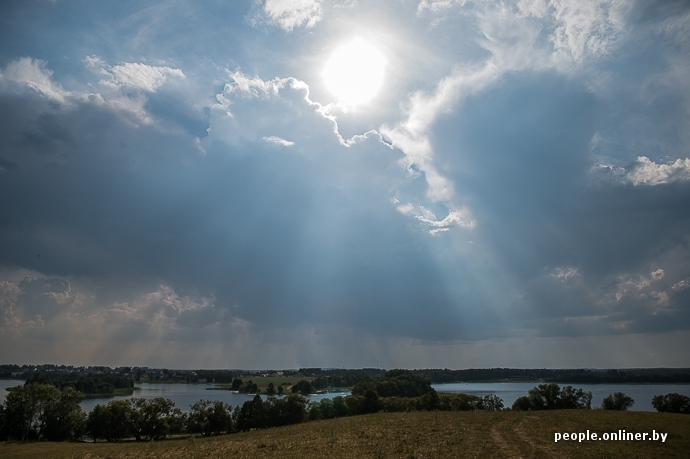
[{"x": 354, "y": 73}]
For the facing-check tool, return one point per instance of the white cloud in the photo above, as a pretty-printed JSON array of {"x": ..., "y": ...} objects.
[
  {"x": 405, "y": 209},
  {"x": 411, "y": 134},
  {"x": 565, "y": 273},
  {"x": 346, "y": 4},
  {"x": 460, "y": 217},
  {"x": 34, "y": 74},
  {"x": 645, "y": 172},
  {"x": 289, "y": 14},
  {"x": 681, "y": 285},
  {"x": 245, "y": 87},
  {"x": 29, "y": 303},
  {"x": 582, "y": 29},
  {"x": 557, "y": 34},
  {"x": 513, "y": 41},
  {"x": 438, "y": 5},
  {"x": 118, "y": 79},
  {"x": 411, "y": 137},
  {"x": 132, "y": 74},
  {"x": 638, "y": 288},
  {"x": 278, "y": 141},
  {"x": 164, "y": 308},
  {"x": 255, "y": 87},
  {"x": 142, "y": 76}
]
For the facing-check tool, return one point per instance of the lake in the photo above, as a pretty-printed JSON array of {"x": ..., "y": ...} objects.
[
  {"x": 510, "y": 391},
  {"x": 184, "y": 395}
]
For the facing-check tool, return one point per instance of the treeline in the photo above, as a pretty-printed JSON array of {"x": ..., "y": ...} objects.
[
  {"x": 248, "y": 387},
  {"x": 395, "y": 383},
  {"x": 324, "y": 378},
  {"x": 93, "y": 385},
  {"x": 338, "y": 378},
  {"x": 43, "y": 412},
  {"x": 656, "y": 375},
  {"x": 66, "y": 372},
  {"x": 139, "y": 374},
  {"x": 644, "y": 375}
]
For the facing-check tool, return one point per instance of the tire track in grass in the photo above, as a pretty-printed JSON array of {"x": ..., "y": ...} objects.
[
  {"x": 507, "y": 450},
  {"x": 524, "y": 435}
]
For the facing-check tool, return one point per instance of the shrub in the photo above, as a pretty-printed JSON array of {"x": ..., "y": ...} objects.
[
  {"x": 43, "y": 412},
  {"x": 617, "y": 401},
  {"x": 672, "y": 403},
  {"x": 209, "y": 417},
  {"x": 551, "y": 397},
  {"x": 395, "y": 383}
]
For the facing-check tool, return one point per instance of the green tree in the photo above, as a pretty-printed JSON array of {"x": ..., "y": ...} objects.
[
  {"x": 395, "y": 383},
  {"x": 155, "y": 418},
  {"x": 458, "y": 402},
  {"x": 111, "y": 422},
  {"x": 522, "y": 404},
  {"x": 571, "y": 398},
  {"x": 209, "y": 417},
  {"x": 27, "y": 408},
  {"x": 364, "y": 404},
  {"x": 4, "y": 433},
  {"x": 551, "y": 396},
  {"x": 64, "y": 417},
  {"x": 252, "y": 415},
  {"x": 249, "y": 387},
  {"x": 671, "y": 403},
  {"x": 617, "y": 401},
  {"x": 302, "y": 387},
  {"x": 544, "y": 396},
  {"x": 327, "y": 408},
  {"x": 97, "y": 423},
  {"x": 287, "y": 410},
  {"x": 490, "y": 402}
]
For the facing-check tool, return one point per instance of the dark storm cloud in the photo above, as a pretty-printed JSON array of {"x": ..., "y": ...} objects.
[
  {"x": 521, "y": 157},
  {"x": 272, "y": 237}
]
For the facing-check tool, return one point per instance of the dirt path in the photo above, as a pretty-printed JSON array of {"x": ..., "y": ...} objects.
[{"x": 507, "y": 450}]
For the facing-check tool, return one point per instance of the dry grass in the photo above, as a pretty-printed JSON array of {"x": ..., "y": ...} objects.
[{"x": 408, "y": 435}]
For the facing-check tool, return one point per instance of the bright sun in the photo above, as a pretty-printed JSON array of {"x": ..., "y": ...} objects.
[{"x": 354, "y": 73}]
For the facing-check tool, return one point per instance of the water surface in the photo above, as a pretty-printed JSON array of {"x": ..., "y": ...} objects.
[
  {"x": 510, "y": 391},
  {"x": 184, "y": 395}
]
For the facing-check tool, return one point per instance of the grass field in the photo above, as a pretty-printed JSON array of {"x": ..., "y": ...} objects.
[{"x": 408, "y": 435}]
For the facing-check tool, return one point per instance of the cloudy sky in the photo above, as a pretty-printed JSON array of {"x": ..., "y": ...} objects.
[{"x": 402, "y": 183}]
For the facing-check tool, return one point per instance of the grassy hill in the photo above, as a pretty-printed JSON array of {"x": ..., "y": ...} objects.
[{"x": 408, "y": 435}]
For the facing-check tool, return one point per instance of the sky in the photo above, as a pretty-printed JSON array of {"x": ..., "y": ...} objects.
[{"x": 306, "y": 183}]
